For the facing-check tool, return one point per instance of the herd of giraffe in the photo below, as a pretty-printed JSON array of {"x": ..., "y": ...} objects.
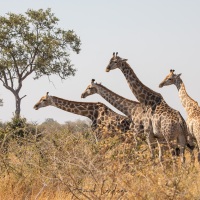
[{"x": 151, "y": 116}]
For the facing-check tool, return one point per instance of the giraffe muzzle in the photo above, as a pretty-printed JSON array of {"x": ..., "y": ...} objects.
[
  {"x": 82, "y": 95},
  {"x": 107, "y": 69},
  {"x": 35, "y": 107}
]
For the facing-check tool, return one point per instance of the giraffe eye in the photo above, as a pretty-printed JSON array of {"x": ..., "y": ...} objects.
[{"x": 169, "y": 79}]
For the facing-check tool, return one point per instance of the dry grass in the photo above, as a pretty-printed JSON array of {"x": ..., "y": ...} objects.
[{"x": 61, "y": 164}]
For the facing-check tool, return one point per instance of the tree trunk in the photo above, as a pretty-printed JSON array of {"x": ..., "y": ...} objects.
[{"x": 18, "y": 106}]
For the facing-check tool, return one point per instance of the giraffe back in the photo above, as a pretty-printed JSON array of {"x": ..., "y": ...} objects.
[{"x": 109, "y": 123}]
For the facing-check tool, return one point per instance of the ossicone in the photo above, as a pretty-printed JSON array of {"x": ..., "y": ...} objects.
[
  {"x": 115, "y": 54},
  {"x": 172, "y": 70}
]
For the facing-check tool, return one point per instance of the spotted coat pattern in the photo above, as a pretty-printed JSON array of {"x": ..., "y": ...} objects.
[
  {"x": 162, "y": 122},
  {"x": 105, "y": 122}
]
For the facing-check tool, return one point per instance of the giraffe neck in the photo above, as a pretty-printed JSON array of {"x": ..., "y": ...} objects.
[
  {"x": 86, "y": 109},
  {"x": 119, "y": 102},
  {"x": 143, "y": 94},
  {"x": 188, "y": 103}
]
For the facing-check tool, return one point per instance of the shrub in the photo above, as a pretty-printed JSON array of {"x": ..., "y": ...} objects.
[{"x": 66, "y": 163}]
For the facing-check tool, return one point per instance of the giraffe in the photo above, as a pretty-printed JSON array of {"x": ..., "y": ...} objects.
[
  {"x": 162, "y": 122},
  {"x": 131, "y": 109},
  {"x": 105, "y": 122},
  {"x": 190, "y": 105}
]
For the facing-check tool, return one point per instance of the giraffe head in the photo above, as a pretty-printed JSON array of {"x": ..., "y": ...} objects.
[
  {"x": 115, "y": 62},
  {"x": 170, "y": 79},
  {"x": 90, "y": 90},
  {"x": 43, "y": 102}
]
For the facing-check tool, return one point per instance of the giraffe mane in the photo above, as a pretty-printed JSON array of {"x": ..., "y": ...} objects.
[
  {"x": 144, "y": 86},
  {"x": 114, "y": 92},
  {"x": 77, "y": 101}
]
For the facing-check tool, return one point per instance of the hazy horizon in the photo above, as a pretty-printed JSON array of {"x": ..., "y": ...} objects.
[{"x": 154, "y": 36}]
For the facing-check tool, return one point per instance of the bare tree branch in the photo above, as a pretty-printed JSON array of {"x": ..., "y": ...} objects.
[{"x": 33, "y": 44}]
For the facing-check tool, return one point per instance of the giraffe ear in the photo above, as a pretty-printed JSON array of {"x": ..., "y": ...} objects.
[
  {"x": 178, "y": 75},
  {"x": 124, "y": 60},
  {"x": 93, "y": 82}
]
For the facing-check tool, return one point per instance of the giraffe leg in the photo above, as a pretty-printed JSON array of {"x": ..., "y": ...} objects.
[
  {"x": 148, "y": 132},
  {"x": 198, "y": 146},
  {"x": 150, "y": 142},
  {"x": 182, "y": 143},
  {"x": 190, "y": 146},
  {"x": 172, "y": 147},
  {"x": 192, "y": 156},
  {"x": 182, "y": 154},
  {"x": 97, "y": 135},
  {"x": 198, "y": 157},
  {"x": 175, "y": 151},
  {"x": 160, "y": 148},
  {"x": 136, "y": 133}
]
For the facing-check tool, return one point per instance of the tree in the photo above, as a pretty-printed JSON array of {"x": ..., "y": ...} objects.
[{"x": 33, "y": 44}]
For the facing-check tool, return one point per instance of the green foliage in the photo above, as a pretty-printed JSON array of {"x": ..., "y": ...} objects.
[
  {"x": 17, "y": 126},
  {"x": 17, "y": 129},
  {"x": 34, "y": 44}
]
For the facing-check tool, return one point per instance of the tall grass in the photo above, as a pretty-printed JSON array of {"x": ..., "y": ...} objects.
[{"x": 51, "y": 161}]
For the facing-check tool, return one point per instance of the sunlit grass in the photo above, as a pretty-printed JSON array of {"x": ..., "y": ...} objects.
[{"x": 61, "y": 164}]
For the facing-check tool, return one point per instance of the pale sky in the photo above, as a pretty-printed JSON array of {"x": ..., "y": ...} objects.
[{"x": 154, "y": 35}]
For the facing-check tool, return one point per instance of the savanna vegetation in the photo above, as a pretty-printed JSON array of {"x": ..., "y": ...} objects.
[
  {"x": 60, "y": 162},
  {"x": 54, "y": 161}
]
